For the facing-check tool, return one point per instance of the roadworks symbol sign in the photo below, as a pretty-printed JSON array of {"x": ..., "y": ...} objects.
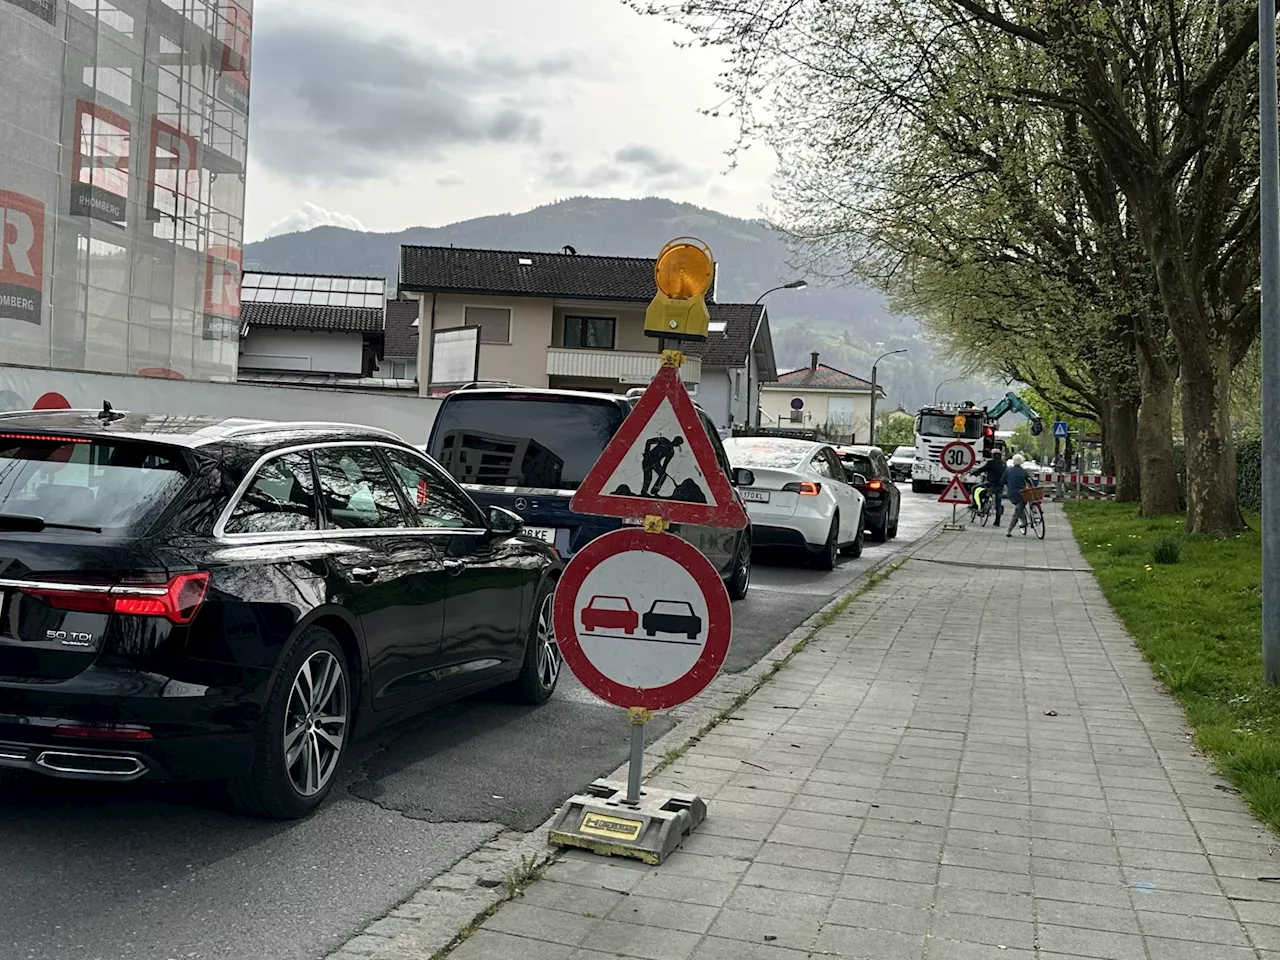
[
  {"x": 955, "y": 493},
  {"x": 661, "y": 463}
]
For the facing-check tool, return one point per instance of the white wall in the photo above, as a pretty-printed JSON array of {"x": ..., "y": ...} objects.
[
  {"x": 715, "y": 395},
  {"x": 320, "y": 351},
  {"x": 408, "y": 415}
]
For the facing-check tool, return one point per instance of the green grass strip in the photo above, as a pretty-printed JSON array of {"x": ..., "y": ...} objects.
[{"x": 1193, "y": 605}]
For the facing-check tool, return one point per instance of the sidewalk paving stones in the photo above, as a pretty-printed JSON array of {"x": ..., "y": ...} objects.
[{"x": 971, "y": 761}]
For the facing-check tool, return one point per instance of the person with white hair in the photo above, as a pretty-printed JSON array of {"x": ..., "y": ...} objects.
[{"x": 1015, "y": 481}]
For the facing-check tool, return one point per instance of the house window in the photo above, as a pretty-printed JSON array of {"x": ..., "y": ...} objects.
[
  {"x": 797, "y": 416},
  {"x": 494, "y": 323},
  {"x": 398, "y": 371},
  {"x": 590, "y": 333},
  {"x": 737, "y": 384}
]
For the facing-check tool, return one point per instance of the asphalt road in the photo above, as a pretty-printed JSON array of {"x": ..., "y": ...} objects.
[{"x": 167, "y": 872}]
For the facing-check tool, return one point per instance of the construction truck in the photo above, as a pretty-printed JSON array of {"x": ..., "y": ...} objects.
[{"x": 937, "y": 426}]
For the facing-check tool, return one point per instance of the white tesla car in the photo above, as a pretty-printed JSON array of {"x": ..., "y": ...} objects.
[{"x": 801, "y": 497}]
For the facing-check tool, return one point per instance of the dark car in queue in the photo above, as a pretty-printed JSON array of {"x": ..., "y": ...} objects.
[
  {"x": 869, "y": 471},
  {"x": 528, "y": 450},
  {"x": 214, "y": 599}
]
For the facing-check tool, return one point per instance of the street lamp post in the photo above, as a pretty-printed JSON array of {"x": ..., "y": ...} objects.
[
  {"x": 1269, "y": 192},
  {"x": 943, "y": 384},
  {"x": 891, "y": 353},
  {"x": 753, "y": 417}
]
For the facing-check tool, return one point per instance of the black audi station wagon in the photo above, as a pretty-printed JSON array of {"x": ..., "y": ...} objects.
[{"x": 205, "y": 598}]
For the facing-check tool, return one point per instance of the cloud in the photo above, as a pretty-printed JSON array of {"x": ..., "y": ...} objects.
[
  {"x": 312, "y": 215},
  {"x": 331, "y": 102},
  {"x": 450, "y": 180},
  {"x": 636, "y": 167}
]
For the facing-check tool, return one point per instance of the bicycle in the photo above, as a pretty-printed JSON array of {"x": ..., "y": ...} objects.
[
  {"x": 980, "y": 505},
  {"x": 1033, "y": 512}
]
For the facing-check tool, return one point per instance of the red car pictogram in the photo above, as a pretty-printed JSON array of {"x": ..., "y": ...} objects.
[{"x": 610, "y": 613}]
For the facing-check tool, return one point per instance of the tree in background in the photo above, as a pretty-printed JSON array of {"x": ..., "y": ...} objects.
[
  {"x": 894, "y": 429},
  {"x": 1158, "y": 93}
]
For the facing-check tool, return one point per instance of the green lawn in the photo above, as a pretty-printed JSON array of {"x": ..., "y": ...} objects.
[{"x": 1199, "y": 623}]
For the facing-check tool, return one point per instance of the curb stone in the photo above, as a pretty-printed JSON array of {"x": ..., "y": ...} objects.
[{"x": 430, "y": 923}]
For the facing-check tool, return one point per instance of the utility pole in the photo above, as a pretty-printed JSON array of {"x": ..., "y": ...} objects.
[{"x": 1269, "y": 183}]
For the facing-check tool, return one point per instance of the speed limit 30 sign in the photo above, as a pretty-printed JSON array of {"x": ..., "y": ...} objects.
[{"x": 958, "y": 457}]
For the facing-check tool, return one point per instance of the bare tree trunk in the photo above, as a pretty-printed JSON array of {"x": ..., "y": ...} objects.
[
  {"x": 1160, "y": 492},
  {"x": 1120, "y": 440},
  {"x": 1213, "y": 504}
]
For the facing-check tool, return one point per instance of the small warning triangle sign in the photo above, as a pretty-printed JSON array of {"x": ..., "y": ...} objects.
[
  {"x": 955, "y": 492},
  {"x": 660, "y": 463}
]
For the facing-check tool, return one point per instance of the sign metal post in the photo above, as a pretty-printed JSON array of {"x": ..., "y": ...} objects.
[{"x": 641, "y": 616}]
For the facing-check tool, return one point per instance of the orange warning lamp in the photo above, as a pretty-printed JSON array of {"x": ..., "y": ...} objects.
[
  {"x": 684, "y": 273},
  {"x": 959, "y": 424}
]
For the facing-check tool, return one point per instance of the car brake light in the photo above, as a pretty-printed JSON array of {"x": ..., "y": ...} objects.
[
  {"x": 105, "y": 731},
  {"x": 874, "y": 484},
  {"x": 806, "y": 488},
  {"x": 43, "y": 437},
  {"x": 177, "y": 601}
]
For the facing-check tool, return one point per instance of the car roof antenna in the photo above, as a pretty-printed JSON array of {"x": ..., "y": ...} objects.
[{"x": 108, "y": 415}]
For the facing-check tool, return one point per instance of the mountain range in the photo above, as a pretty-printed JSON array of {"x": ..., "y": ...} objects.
[{"x": 849, "y": 326}]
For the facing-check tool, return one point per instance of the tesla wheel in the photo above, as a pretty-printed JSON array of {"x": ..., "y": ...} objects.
[
  {"x": 740, "y": 582},
  {"x": 893, "y": 527},
  {"x": 302, "y": 737},
  {"x": 826, "y": 558},
  {"x": 540, "y": 671},
  {"x": 880, "y": 533},
  {"x": 919, "y": 486},
  {"x": 855, "y": 549}
]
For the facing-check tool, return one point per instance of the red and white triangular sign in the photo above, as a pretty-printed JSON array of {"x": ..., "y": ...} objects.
[
  {"x": 660, "y": 463},
  {"x": 955, "y": 492}
]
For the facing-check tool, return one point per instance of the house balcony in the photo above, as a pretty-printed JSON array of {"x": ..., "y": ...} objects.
[{"x": 624, "y": 367}]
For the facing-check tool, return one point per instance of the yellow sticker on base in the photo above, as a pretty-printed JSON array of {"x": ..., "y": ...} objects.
[{"x": 615, "y": 828}]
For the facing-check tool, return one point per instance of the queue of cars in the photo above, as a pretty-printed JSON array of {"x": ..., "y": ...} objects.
[{"x": 237, "y": 600}]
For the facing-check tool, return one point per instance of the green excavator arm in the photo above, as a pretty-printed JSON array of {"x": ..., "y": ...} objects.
[{"x": 1012, "y": 403}]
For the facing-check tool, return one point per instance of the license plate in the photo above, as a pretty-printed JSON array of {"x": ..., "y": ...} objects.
[
  {"x": 545, "y": 534},
  {"x": 755, "y": 496}
]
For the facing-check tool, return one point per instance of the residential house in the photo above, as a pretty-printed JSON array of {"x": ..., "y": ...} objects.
[
  {"x": 562, "y": 320},
  {"x": 819, "y": 397},
  {"x": 312, "y": 329},
  {"x": 737, "y": 358}
]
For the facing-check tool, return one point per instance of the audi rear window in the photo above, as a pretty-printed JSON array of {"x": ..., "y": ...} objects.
[
  {"x": 530, "y": 441},
  {"x": 118, "y": 487}
]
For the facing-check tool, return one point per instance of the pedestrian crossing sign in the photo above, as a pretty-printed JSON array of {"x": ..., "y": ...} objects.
[{"x": 661, "y": 463}]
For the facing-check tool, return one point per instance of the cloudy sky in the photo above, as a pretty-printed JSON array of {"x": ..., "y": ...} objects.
[{"x": 385, "y": 114}]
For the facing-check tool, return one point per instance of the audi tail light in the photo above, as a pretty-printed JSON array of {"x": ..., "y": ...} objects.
[{"x": 177, "y": 601}]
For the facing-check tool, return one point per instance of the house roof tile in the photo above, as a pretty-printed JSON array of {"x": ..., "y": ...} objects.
[
  {"x": 514, "y": 273},
  {"x": 401, "y": 341},
  {"x": 297, "y": 316},
  {"x": 823, "y": 378},
  {"x": 728, "y": 349}
]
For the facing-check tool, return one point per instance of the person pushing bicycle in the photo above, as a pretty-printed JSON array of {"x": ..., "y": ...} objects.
[{"x": 992, "y": 483}]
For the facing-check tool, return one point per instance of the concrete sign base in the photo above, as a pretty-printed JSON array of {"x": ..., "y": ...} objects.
[{"x": 602, "y": 821}]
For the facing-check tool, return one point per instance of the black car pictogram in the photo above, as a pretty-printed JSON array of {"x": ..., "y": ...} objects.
[{"x": 672, "y": 616}]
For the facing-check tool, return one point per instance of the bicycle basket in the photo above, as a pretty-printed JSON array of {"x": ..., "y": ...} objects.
[{"x": 1032, "y": 494}]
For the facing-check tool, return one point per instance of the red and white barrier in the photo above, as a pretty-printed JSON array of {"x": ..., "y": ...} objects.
[
  {"x": 1079, "y": 486},
  {"x": 1077, "y": 479}
]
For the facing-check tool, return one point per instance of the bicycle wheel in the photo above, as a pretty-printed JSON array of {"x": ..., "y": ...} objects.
[
  {"x": 985, "y": 513},
  {"x": 1037, "y": 519}
]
